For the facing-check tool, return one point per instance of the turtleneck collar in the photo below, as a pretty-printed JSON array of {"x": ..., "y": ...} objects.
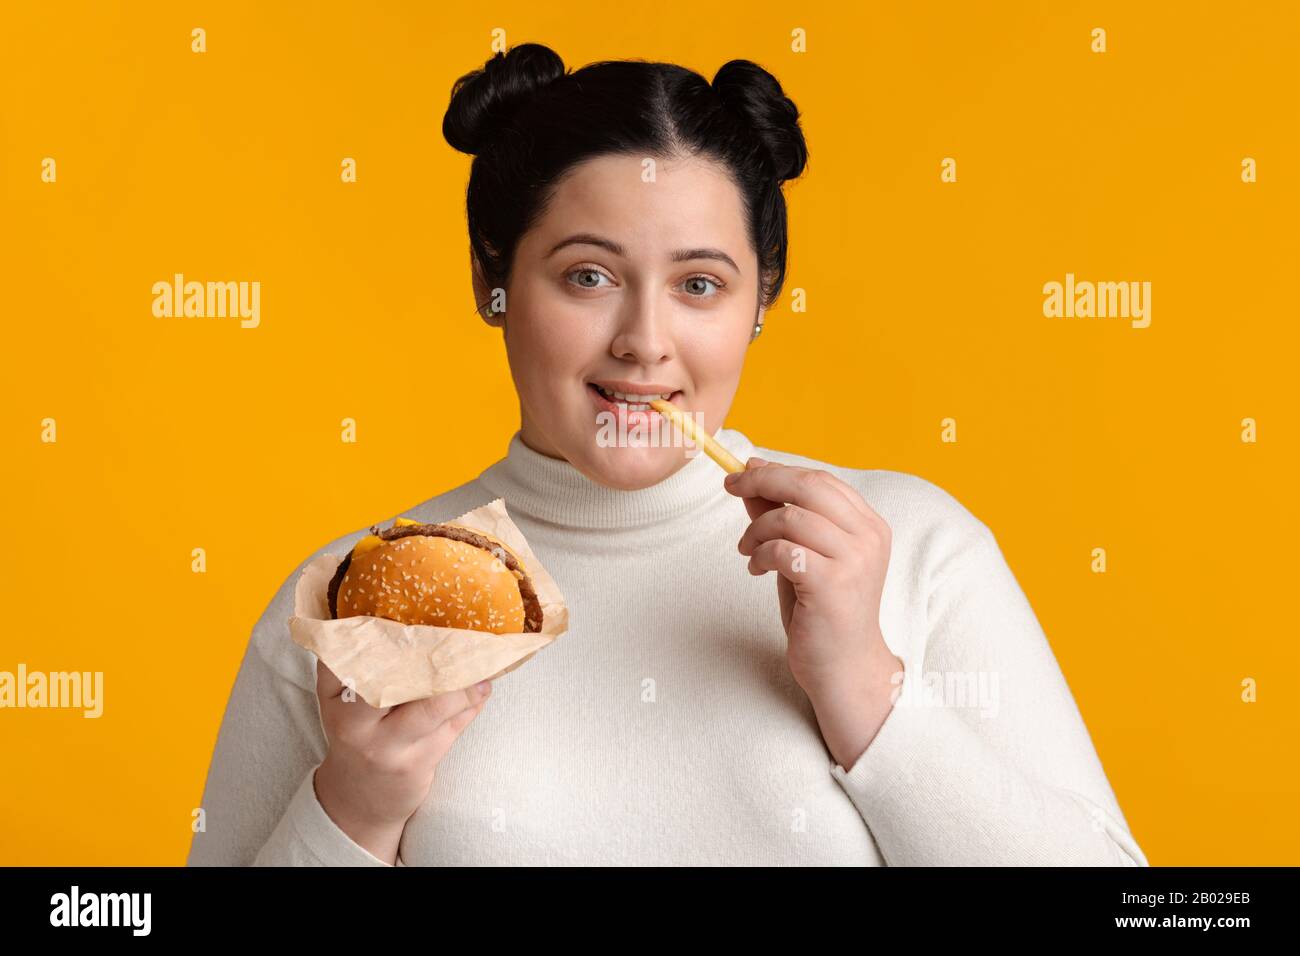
[{"x": 552, "y": 490}]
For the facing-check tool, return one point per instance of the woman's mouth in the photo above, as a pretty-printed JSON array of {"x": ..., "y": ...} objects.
[{"x": 611, "y": 400}]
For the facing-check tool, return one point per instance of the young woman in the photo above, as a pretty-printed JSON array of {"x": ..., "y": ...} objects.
[{"x": 802, "y": 664}]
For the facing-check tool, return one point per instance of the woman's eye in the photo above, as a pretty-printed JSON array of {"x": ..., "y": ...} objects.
[
  {"x": 696, "y": 286},
  {"x": 696, "y": 282},
  {"x": 588, "y": 278}
]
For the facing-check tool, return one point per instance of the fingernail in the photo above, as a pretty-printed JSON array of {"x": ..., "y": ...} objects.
[
  {"x": 483, "y": 686},
  {"x": 731, "y": 478},
  {"x": 755, "y": 462}
]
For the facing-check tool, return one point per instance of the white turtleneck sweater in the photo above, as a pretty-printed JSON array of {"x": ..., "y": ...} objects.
[{"x": 664, "y": 727}]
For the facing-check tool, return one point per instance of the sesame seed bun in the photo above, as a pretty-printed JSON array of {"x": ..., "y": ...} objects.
[{"x": 444, "y": 575}]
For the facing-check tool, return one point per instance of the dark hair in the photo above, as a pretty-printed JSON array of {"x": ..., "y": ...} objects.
[{"x": 527, "y": 121}]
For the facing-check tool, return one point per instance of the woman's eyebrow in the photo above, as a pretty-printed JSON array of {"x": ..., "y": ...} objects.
[{"x": 681, "y": 255}]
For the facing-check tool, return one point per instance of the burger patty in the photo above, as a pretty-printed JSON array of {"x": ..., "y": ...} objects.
[{"x": 532, "y": 606}]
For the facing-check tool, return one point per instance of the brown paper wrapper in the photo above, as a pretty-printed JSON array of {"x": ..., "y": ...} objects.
[{"x": 390, "y": 663}]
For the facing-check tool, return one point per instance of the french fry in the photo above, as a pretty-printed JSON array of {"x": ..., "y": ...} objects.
[{"x": 726, "y": 459}]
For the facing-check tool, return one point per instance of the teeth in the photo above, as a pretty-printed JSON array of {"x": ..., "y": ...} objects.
[{"x": 626, "y": 397}]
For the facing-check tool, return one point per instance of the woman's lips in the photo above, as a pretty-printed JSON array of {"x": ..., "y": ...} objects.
[{"x": 621, "y": 408}]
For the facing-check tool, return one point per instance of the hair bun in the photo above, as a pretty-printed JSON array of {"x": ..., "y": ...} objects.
[
  {"x": 484, "y": 101},
  {"x": 752, "y": 92}
]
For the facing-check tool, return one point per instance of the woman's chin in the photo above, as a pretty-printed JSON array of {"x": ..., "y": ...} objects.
[{"x": 630, "y": 469}]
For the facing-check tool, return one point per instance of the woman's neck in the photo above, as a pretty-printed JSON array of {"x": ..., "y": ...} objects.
[{"x": 551, "y": 489}]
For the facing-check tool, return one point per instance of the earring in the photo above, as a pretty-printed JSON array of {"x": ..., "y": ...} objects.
[{"x": 758, "y": 328}]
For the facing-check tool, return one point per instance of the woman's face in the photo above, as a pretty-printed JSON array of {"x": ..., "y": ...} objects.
[{"x": 642, "y": 288}]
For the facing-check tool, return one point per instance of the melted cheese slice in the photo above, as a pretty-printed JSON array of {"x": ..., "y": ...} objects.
[{"x": 372, "y": 541}]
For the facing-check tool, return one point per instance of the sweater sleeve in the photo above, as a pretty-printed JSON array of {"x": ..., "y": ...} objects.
[
  {"x": 985, "y": 758},
  {"x": 259, "y": 802}
]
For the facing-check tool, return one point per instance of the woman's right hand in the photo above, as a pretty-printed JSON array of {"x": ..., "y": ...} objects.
[{"x": 381, "y": 760}]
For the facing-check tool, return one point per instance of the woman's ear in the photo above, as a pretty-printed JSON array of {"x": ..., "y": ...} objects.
[{"x": 491, "y": 302}]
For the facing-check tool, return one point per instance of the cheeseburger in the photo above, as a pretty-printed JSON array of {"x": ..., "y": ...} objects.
[{"x": 444, "y": 575}]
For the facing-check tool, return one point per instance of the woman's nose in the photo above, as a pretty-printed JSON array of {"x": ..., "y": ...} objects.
[{"x": 644, "y": 335}]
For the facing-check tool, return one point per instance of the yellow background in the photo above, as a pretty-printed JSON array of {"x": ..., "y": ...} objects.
[{"x": 924, "y": 302}]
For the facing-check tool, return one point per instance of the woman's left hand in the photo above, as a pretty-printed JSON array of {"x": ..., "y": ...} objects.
[{"x": 830, "y": 551}]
